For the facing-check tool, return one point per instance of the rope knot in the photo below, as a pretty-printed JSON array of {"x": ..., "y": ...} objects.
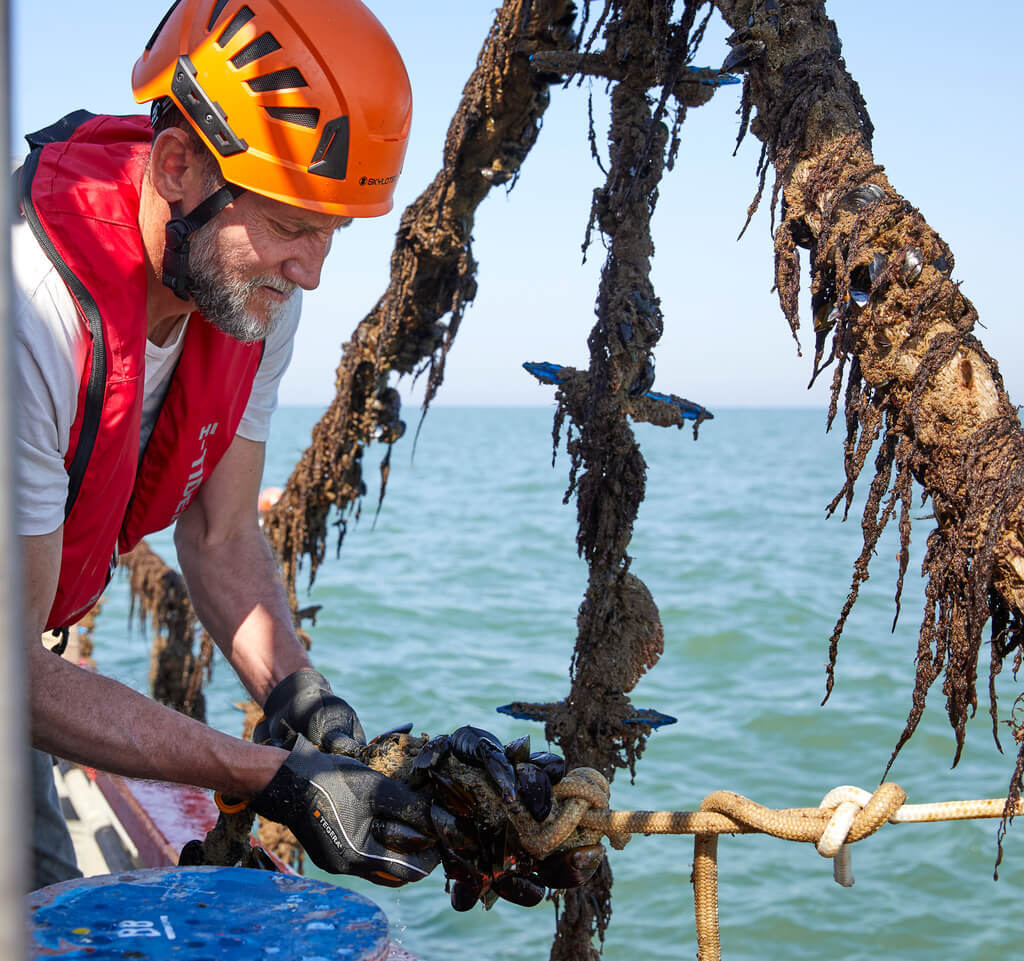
[
  {"x": 581, "y": 790},
  {"x": 584, "y": 784},
  {"x": 856, "y": 814}
]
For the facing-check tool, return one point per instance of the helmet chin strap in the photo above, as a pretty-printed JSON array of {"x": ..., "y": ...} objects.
[{"x": 178, "y": 232}]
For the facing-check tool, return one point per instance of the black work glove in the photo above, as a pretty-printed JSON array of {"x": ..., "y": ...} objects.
[
  {"x": 343, "y": 813},
  {"x": 303, "y": 703}
]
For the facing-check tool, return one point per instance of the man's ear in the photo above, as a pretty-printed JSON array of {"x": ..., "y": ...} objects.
[{"x": 173, "y": 166}]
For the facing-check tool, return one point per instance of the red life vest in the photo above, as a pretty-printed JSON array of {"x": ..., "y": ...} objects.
[{"x": 80, "y": 193}]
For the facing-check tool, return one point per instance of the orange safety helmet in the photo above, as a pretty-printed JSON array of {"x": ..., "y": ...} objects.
[{"x": 304, "y": 101}]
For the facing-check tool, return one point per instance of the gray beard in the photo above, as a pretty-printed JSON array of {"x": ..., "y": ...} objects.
[{"x": 224, "y": 301}]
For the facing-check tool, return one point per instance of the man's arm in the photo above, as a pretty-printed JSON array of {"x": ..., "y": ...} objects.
[
  {"x": 232, "y": 577},
  {"x": 94, "y": 720}
]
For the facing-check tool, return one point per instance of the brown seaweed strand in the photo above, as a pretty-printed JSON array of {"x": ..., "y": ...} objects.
[
  {"x": 432, "y": 276},
  {"x": 903, "y": 490},
  {"x": 176, "y": 671},
  {"x": 1016, "y": 780},
  {"x": 872, "y": 530}
]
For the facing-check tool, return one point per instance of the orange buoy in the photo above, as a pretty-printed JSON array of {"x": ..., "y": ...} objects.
[{"x": 269, "y": 496}]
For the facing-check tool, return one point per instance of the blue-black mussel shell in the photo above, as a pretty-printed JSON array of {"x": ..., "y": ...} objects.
[{"x": 534, "y": 790}]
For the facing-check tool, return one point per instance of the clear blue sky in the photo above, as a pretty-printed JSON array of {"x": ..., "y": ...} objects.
[{"x": 943, "y": 94}]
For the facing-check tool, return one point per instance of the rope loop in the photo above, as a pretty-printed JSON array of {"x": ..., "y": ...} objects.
[
  {"x": 856, "y": 814},
  {"x": 581, "y": 790}
]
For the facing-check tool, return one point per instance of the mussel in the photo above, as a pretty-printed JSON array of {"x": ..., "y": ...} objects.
[
  {"x": 877, "y": 266},
  {"x": 460, "y": 869},
  {"x": 913, "y": 264},
  {"x": 464, "y": 895},
  {"x": 525, "y": 890},
  {"x": 473, "y": 745},
  {"x": 390, "y": 432},
  {"x": 644, "y": 305},
  {"x": 400, "y": 837},
  {"x": 534, "y": 790},
  {"x": 644, "y": 382},
  {"x": 497, "y": 176},
  {"x": 553, "y": 765},
  {"x": 742, "y": 54},
  {"x": 519, "y": 749},
  {"x": 571, "y": 867},
  {"x": 862, "y": 197},
  {"x": 430, "y": 756},
  {"x": 457, "y": 833},
  {"x": 191, "y": 854},
  {"x": 453, "y": 795}
]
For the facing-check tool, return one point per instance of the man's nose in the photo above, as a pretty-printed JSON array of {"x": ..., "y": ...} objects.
[{"x": 306, "y": 261}]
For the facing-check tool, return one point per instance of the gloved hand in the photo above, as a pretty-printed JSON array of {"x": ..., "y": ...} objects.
[
  {"x": 343, "y": 814},
  {"x": 303, "y": 703}
]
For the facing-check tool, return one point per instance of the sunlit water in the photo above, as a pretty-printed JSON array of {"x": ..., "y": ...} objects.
[{"x": 463, "y": 597}]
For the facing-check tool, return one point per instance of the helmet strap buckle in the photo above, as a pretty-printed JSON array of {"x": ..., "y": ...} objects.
[{"x": 178, "y": 232}]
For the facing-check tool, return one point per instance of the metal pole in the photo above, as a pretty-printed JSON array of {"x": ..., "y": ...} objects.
[{"x": 14, "y": 812}]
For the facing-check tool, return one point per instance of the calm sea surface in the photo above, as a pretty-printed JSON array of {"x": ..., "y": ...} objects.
[{"x": 463, "y": 597}]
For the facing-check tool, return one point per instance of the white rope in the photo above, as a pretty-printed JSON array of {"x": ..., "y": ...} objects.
[{"x": 848, "y": 802}]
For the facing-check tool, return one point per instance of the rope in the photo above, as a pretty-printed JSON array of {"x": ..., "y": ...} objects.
[{"x": 845, "y": 815}]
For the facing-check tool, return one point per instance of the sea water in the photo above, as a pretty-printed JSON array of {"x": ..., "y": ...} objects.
[{"x": 461, "y": 595}]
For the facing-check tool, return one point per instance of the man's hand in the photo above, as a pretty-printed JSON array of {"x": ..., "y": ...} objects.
[
  {"x": 303, "y": 703},
  {"x": 338, "y": 808}
]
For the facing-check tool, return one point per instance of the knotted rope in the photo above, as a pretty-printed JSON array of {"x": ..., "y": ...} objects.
[
  {"x": 845, "y": 815},
  {"x": 581, "y": 792}
]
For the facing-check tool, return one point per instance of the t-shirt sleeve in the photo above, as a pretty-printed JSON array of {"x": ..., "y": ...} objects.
[
  {"x": 277, "y": 354},
  {"x": 49, "y": 353}
]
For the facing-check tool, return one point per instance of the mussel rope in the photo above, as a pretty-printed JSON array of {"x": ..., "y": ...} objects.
[{"x": 845, "y": 815}]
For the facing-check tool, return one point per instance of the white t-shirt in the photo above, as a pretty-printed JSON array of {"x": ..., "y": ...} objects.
[{"x": 50, "y": 353}]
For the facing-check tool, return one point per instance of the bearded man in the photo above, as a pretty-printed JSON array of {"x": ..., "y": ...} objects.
[{"x": 159, "y": 263}]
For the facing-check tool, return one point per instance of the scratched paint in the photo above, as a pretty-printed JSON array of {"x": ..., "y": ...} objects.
[{"x": 205, "y": 914}]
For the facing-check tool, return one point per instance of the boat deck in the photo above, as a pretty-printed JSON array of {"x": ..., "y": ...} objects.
[{"x": 102, "y": 845}]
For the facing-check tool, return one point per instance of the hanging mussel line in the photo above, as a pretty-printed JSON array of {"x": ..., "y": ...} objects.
[
  {"x": 918, "y": 387},
  {"x": 619, "y": 633}
]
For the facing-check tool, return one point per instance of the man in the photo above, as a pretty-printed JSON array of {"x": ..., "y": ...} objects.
[{"x": 158, "y": 274}]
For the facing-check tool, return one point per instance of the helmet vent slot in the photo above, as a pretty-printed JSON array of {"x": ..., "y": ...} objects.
[
  {"x": 330, "y": 159},
  {"x": 265, "y": 43},
  {"x": 238, "y": 21},
  {"x": 302, "y": 116},
  {"x": 278, "y": 80},
  {"x": 160, "y": 25},
  {"x": 218, "y": 9}
]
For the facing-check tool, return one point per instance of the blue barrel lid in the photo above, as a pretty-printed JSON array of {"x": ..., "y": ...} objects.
[{"x": 205, "y": 914}]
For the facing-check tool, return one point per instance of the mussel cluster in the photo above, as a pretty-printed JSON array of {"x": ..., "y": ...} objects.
[{"x": 480, "y": 789}]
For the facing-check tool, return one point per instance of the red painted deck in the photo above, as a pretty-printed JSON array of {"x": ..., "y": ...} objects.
[{"x": 159, "y": 818}]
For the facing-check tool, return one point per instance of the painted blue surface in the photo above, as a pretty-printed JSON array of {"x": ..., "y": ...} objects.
[
  {"x": 545, "y": 371},
  {"x": 549, "y": 373},
  {"x": 689, "y": 410},
  {"x": 205, "y": 914},
  {"x": 713, "y": 78},
  {"x": 641, "y": 715}
]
